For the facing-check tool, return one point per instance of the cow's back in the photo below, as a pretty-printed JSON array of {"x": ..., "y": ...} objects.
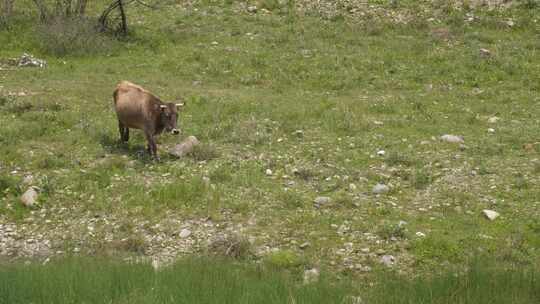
[{"x": 132, "y": 104}]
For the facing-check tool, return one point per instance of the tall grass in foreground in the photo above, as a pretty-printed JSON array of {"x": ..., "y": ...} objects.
[{"x": 84, "y": 280}]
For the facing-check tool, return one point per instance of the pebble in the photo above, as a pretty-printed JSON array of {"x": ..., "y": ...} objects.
[
  {"x": 304, "y": 245},
  {"x": 268, "y": 172},
  {"x": 493, "y": 119},
  {"x": 485, "y": 52},
  {"x": 381, "y": 152},
  {"x": 490, "y": 214},
  {"x": 311, "y": 276},
  {"x": 185, "y": 233},
  {"x": 29, "y": 198},
  {"x": 380, "y": 188},
  {"x": 452, "y": 138},
  {"x": 321, "y": 200},
  {"x": 388, "y": 260},
  {"x": 420, "y": 234}
]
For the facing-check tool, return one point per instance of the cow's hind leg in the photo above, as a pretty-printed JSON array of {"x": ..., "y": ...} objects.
[{"x": 124, "y": 132}]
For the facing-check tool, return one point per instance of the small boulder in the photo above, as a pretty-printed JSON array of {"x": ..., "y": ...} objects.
[
  {"x": 455, "y": 139},
  {"x": 321, "y": 200},
  {"x": 380, "y": 188},
  {"x": 185, "y": 233},
  {"x": 29, "y": 198},
  {"x": 388, "y": 260},
  {"x": 490, "y": 214},
  {"x": 185, "y": 147},
  {"x": 311, "y": 276}
]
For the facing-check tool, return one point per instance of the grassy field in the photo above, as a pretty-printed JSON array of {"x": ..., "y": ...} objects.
[
  {"x": 210, "y": 281},
  {"x": 289, "y": 106}
]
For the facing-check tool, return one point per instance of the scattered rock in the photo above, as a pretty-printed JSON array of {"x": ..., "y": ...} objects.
[
  {"x": 268, "y": 172},
  {"x": 299, "y": 133},
  {"x": 352, "y": 187},
  {"x": 491, "y": 130},
  {"x": 380, "y": 189},
  {"x": 490, "y": 214},
  {"x": 485, "y": 53},
  {"x": 304, "y": 245},
  {"x": 388, "y": 260},
  {"x": 420, "y": 234},
  {"x": 493, "y": 119},
  {"x": 381, "y": 152},
  {"x": 185, "y": 147},
  {"x": 28, "y": 60},
  {"x": 29, "y": 198},
  {"x": 185, "y": 233},
  {"x": 28, "y": 180},
  {"x": 452, "y": 139},
  {"x": 321, "y": 200},
  {"x": 311, "y": 276},
  {"x": 252, "y": 9}
]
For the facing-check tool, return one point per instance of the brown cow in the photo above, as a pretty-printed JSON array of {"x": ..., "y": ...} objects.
[{"x": 139, "y": 109}]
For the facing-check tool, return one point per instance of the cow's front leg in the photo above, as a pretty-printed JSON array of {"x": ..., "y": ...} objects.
[{"x": 152, "y": 147}]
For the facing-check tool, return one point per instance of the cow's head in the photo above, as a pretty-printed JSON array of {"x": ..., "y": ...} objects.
[{"x": 169, "y": 116}]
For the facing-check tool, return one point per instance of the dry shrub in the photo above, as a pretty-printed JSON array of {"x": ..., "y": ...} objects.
[{"x": 61, "y": 36}]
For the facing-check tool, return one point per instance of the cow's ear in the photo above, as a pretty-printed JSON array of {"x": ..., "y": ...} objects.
[{"x": 162, "y": 107}]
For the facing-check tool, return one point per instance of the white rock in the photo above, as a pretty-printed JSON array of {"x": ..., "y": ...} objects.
[
  {"x": 491, "y": 130},
  {"x": 305, "y": 245},
  {"x": 452, "y": 139},
  {"x": 420, "y": 234},
  {"x": 485, "y": 52},
  {"x": 311, "y": 276},
  {"x": 185, "y": 147},
  {"x": 29, "y": 198},
  {"x": 380, "y": 188},
  {"x": 493, "y": 119},
  {"x": 490, "y": 214},
  {"x": 28, "y": 180},
  {"x": 381, "y": 152},
  {"x": 252, "y": 9},
  {"x": 268, "y": 172},
  {"x": 388, "y": 260},
  {"x": 185, "y": 233},
  {"x": 322, "y": 200},
  {"x": 352, "y": 187}
]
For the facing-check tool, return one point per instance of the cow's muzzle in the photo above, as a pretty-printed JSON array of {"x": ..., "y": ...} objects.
[{"x": 175, "y": 131}]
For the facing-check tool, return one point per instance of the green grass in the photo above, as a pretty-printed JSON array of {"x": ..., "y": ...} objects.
[
  {"x": 94, "y": 280},
  {"x": 310, "y": 98}
]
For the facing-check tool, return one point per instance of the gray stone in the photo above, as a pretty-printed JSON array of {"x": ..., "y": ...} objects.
[
  {"x": 388, "y": 260},
  {"x": 490, "y": 214},
  {"x": 322, "y": 200},
  {"x": 380, "y": 188},
  {"x": 305, "y": 245},
  {"x": 28, "y": 60},
  {"x": 29, "y": 198},
  {"x": 185, "y": 147},
  {"x": 455, "y": 139},
  {"x": 185, "y": 233},
  {"x": 311, "y": 276}
]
